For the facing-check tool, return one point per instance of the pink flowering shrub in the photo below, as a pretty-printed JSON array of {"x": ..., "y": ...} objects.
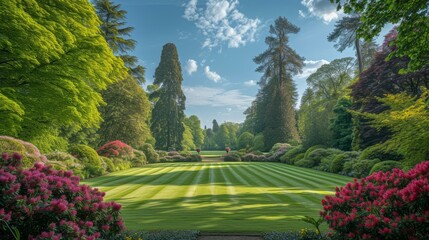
[
  {"x": 29, "y": 152},
  {"x": 384, "y": 205},
  {"x": 42, "y": 203},
  {"x": 115, "y": 149}
]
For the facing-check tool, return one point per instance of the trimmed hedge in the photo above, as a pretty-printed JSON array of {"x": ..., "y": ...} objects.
[
  {"x": 385, "y": 166},
  {"x": 89, "y": 158}
]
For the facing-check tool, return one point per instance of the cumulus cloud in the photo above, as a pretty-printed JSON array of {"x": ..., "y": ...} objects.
[
  {"x": 301, "y": 14},
  {"x": 323, "y": 9},
  {"x": 216, "y": 97},
  {"x": 250, "y": 83},
  {"x": 212, "y": 75},
  {"x": 220, "y": 22},
  {"x": 310, "y": 67},
  {"x": 191, "y": 66}
]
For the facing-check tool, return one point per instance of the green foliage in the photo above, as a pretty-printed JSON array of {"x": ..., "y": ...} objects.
[
  {"x": 316, "y": 156},
  {"x": 30, "y": 153},
  {"x": 362, "y": 168},
  {"x": 258, "y": 142},
  {"x": 188, "y": 139},
  {"x": 412, "y": 30},
  {"x": 274, "y": 105},
  {"x": 339, "y": 160},
  {"x": 139, "y": 158},
  {"x": 303, "y": 234},
  {"x": 408, "y": 118},
  {"x": 305, "y": 163},
  {"x": 385, "y": 166},
  {"x": 162, "y": 235},
  {"x": 167, "y": 114},
  {"x": 149, "y": 151},
  {"x": 380, "y": 152},
  {"x": 245, "y": 141},
  {"x": 296, "y": 158},
  {"x": 277, "y": 146},
  {"x": 233, "y": 157},
  {"x": 65, "y": 161},
  {"x": 54, "y": 63},
  {"x": 292, "y": 153},
  {"x": 89, "y": 159},
  {"x": 194, "y": 123},
  {"x": 311, "y": 149},
  {"x": 342, "y": 125}
]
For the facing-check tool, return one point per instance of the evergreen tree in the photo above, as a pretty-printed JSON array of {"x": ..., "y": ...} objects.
[
  {"x": 215, "y": 126},
  {"x": 127, "y": 108},
  {"x": 278, "y": 94},
  {"x": 167, "y": 114}
]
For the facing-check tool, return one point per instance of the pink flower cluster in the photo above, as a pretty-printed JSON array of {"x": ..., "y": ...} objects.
[
  {"x": 390, "y": 205},
  {"x": 43, "y": 203},
  {"x": 115, "y": 149}
]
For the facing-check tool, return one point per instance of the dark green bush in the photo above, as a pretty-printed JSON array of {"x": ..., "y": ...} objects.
[
  {"x": 110, "y": 166},
  {"x": 297, "y": 158},
  {"x": 139, "y": 158},
  {"x": 233, "y": 157},
  {"x": 161, "y": 153},
  {"x": 258, "y": 143},
  {"x": 317, "y": 155},
  {"x": 361, "y": 168},
  {"x": 385, "y": 166},
  {"x": 337, "y": 163},
  {"x": 311, "y": 149},
  {"x": 303, "y": 234},
  {"x": 305, "y": 163},
  {"x": 379, "y": 152},
  {"x": 89, "y": 158},
  {"x": 291, "y": 153},
  {"x": 149, "y": 151}
]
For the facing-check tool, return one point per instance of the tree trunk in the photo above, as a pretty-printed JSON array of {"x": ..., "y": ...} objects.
[{"x": 359, "y": 54}]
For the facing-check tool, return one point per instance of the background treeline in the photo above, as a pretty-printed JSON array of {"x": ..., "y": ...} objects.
[{"x": 68, "y": 79}]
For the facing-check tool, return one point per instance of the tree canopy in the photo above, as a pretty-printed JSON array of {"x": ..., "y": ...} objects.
[{"x": 53, "y": 64}]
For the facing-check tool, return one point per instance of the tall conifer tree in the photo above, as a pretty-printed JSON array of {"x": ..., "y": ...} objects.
[
  {"x": 168, "y": 112},
  {"x": 127, "y": 106},
  {"x": 278, "y": 94}
]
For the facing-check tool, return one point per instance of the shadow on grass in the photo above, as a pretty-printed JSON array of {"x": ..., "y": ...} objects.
[{"x": 220, "y": 213}]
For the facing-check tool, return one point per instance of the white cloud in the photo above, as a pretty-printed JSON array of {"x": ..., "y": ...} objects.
[
  {"x": 323, "y": 9},
  {"x": 217, "y": 97},
  {"x": 250, "y": 83},
  {"x": 301, "y": 14},
  {"x": 220, "y": 22},
  {"x": 310, "y": 67},
  {"x": 191, "y": 66},
  {"x": 212, "y": 75}
]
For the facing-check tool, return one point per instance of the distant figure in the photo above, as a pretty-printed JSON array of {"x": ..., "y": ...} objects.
[
  {"x": 198, "y": 150},
  {"x": 227, "y": 149}
]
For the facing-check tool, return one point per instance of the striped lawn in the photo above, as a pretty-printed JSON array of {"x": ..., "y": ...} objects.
[{"x": 218, "y": 196}]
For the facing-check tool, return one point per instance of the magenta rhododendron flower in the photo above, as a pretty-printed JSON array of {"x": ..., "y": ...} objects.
[
  {"x": 390, "y": 205},
  {"x": 43, "y": 203}
]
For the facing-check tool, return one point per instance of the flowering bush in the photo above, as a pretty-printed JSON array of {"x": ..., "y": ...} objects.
[
  {"x": 384, "y": 205},
  {"x": 115, "y": 149},
  {"x": 42, "y": 203},
  {"x": 89, "y": 158}
]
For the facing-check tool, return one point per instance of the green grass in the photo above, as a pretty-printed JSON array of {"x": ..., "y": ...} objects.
[
  {"x": 211, "y": 154},
  {"x": 218, "y": 196}
]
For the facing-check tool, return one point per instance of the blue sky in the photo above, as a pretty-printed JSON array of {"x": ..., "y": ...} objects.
[{"x": 217, "y": 40}]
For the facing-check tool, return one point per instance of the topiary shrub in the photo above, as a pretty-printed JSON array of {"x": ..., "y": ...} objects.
[
  {"x": 384, "y": 205},
  {"x": 42, "y": 203},
  {"x": 149, "y": 151},
  {"x": 385, "y": 166},
  {"x": 291, "y": 154},
  {"x": 116, "y": 149},
  {"x": 30, "y": 153},
  {"x": 233, "y": 157},
  {"x": 380, "y": 152},
  {"x": 339, "y": 160},
  {"x": 89, "y": 158}
]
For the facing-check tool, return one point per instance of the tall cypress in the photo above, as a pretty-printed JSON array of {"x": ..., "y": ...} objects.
[
  {"x": 278, "y": 63},
  {"x": 168, "y": 113}
]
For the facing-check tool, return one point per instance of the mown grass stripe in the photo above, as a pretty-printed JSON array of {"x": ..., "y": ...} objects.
[{"x": 228, "y": 185}]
